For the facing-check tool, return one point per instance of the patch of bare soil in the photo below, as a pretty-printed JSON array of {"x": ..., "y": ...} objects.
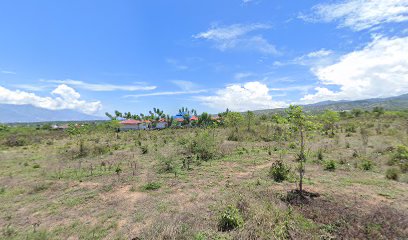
[
  {"x": 296, "y": 197},
  {"x": 124, "y": 196},
  {"x": 345, "y": 221}
]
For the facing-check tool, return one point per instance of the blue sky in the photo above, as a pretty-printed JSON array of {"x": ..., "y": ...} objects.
[{"x": 98, "y": 56}]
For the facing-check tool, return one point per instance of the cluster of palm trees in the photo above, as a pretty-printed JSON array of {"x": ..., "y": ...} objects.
[
  {"x": 205, "y": 119},
  {"x": 154, "y": 115}
]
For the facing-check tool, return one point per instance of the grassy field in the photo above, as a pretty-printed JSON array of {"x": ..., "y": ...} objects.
[{"x": 196, "y": 183}]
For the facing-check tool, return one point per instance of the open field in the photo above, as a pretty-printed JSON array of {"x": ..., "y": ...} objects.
[{"x": 177, "y": 183}]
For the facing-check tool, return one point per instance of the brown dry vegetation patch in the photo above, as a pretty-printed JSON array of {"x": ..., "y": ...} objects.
[{"x": 348, "y": 221}]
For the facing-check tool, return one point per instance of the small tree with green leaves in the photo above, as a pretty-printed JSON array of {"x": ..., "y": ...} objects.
[
  {"x": 249, "y": 116},
  {"x": 234, "y": 121},
  {"x": 79, "y": 131},
  {"x": 300, "y": 123},
  {"x": 330, "y": 118}
]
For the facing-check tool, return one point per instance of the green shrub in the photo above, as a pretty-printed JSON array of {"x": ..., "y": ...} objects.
[
  {"x": 167, "y": 164},
  {"x": 144, "y": 149},
  {"x": 16, "y": 141},
  {"x": 351, "y": 128},
  {"x": 401, "y": 152},
  {"x": 230, "y": 219},
  {"x": 400, "y": 157},
  {"x": 367, "y": 165},
  {"x": 36, "y": 165},
  {"x": 118, "y": 170},
  {"x": 330, "y": 165},
  {"x": 319, "y": 154},
  {"x": 292, "y": 145},
  {"x": 279, "y": 171},
  {"x": 151, "y": 186},
  {"x": 204, "y": 146},
  {"x": 392, "y": 173}
]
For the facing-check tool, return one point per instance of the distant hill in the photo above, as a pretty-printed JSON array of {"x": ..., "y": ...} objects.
[
  {"x": 391, "y": 103},
  {"x": 10, "y": 113}
]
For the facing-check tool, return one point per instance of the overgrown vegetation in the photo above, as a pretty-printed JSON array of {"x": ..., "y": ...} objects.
[{"x": 287, "y": 175}]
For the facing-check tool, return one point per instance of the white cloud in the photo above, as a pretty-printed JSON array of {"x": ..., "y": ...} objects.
[
  {"x": 236, "y": 36},
  {"x": 320, "y": 57},
  {"x": 242, "y": 97},
  {"x": 378, "y": 70},
  {"x": 7, "y": 72},
  {"x": 102, "y": 87},
  {"x": 361, "y": 14},
  {"x": 166, "y": 93},
  {"x": 185, "y": 85},
  {"x": 64, "y": 97},
  {"x": 30, "y": 87},
  {"x": 320, "y": 53},
  {"x": 242, "y": 75}
]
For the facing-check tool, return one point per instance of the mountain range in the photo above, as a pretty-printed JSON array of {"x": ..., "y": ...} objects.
[
  {"x": 10, "y": 113},
  {"x": 391, "y": 103}
]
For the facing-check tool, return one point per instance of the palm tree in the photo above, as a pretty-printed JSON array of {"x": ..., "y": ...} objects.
[
  {"x": 118, "y": 114},
  {"x": 128, "y": 115},
  {"x": 110, "y": 116}
]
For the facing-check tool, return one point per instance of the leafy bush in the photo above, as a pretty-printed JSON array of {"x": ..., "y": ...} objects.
[
  {"x": 329, "y": 165},
  {"x": 400, "y": 157},
  {"x": 203, "y": 145},
  {"x": 351, "y": 128},
  {"x": 319, "y": 154},
  {"x": 234, "y": 136},
  {"x": 36, "y": 165},
  {"x": 279, "y": 171},
  {"x": 292, "y": 145},
  {"x": 367, "y": 165},
  {"x": 355, "y": 154},
  {"x": 167, "y": 163},
  {"x": 230, "y": 219},
  {"x": 16, "y": 141},
  {"x": 151, "y": 186},
  {"x": 144, "y": 149},
  {"x": 392, "y": 173}
]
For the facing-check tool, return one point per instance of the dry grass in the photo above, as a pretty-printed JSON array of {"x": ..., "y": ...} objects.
[{"x": 48, "y": 193}]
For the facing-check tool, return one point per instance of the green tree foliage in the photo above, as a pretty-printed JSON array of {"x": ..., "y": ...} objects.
[
  {"x": 279, "y": 171},
  {"x": 279, "y": 119},
  {"x": 299, "y": 121},
  {"x": 230, "y": 219},
  {"x": 118, "y": 114},
  {"x": 249, "y": 117},
  {"x": 234, "y": 120},
  {"x": 356, "y": 112},
  {"x": 110, "y": 116},
  {"x": 330, "y": 118},
  {"x": 205, "y": 120},
  {"x": 378, "y": 111},
  {"x": 400, "y": 157},
  {"x": 79, "y": 131}
]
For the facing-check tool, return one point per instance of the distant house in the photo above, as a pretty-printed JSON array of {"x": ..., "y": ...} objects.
[
  {"x": 161, "y": 124},
  {"x": 130, "y": 124},
  {"x": 194, "y": 118},
  {"x": 216, "y": 119},
  {"x": 145, "y": 124},
  {"x": 59, "y": 127}
]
